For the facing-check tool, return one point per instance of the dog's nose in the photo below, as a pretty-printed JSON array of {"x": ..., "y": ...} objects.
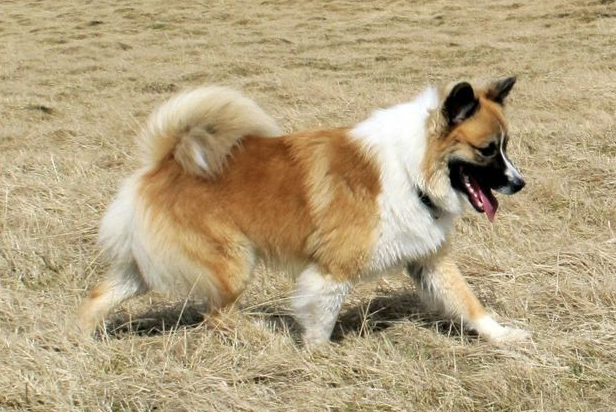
[
  {"x": 517, "y": 184},
  {"x": 512, "y": 185}
]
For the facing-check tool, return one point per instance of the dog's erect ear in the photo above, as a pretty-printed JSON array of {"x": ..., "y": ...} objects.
[
  {"x": 500, "y": 89},
  {"x": 460, "y": 104}
]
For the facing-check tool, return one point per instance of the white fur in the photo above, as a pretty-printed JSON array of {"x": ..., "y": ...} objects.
[
  {"x": 490, "y": 329},
  {"x": 137, "y": 254},
  {"x": 408, "y": 231},
  {"x": 317, "y": 302},
  {"x": 118, "y": 224}
]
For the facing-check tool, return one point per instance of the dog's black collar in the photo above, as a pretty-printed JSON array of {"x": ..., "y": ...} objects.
[{"x": 425, "y": 199}]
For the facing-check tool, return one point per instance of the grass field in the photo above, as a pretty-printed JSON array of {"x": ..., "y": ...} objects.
[{"x": 77, "y": 81}]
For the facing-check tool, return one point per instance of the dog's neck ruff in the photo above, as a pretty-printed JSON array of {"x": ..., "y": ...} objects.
[
  {"x": 398, "y": 136},
  {"x": 397, "y": 139}
]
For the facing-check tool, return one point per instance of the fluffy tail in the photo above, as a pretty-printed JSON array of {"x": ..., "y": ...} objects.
[{"x": 200, "y": 127}]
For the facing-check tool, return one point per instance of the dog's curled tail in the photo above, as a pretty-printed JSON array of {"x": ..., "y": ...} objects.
[{"x": 199, "y": 128}]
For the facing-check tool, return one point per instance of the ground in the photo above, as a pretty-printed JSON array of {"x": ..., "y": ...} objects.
[{"x": 77, "y": 81}]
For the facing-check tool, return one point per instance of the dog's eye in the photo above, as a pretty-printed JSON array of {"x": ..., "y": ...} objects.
[{"x": 487, "y": 151}]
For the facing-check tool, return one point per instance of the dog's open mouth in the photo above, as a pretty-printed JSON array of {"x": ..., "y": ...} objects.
[{"x": 468, "y": 179}]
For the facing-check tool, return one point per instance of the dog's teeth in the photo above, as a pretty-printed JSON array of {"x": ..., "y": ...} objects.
[{"x": 471, "y": 190}]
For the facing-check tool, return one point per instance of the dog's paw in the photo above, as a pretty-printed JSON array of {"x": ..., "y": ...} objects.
[
  {"x": 315, "y": 341},
  {"x": 508, "y": 335},
  {"x": 491, "y": 330}
]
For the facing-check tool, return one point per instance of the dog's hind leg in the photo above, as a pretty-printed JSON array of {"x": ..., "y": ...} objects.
[
  {"x": 442, "y": 288},
  {"x": 317, "y": 301},
  {"x": 225, "y": 274},
  {"x": 121, "y": 284}
]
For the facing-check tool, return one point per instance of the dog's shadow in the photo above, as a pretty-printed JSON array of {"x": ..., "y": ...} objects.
[
  {"x": 157, "y": 321},
  {"x": 383, "y": 312},
  {"x": 373, "y": 316}
]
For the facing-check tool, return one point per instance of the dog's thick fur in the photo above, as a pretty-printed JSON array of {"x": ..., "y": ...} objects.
[{"x": 222, "y": 189}]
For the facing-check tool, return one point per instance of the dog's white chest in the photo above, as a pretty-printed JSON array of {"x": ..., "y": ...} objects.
[{"x": 408, "y": 231}]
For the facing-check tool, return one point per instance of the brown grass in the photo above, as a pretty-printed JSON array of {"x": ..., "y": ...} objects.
[{"x": 76, "y": 83}]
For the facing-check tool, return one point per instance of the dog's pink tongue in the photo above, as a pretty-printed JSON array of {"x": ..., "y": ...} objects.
[{"x": 490, "y": 203}]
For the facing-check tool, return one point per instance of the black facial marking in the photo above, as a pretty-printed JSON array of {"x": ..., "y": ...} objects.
[
  {"x": 491, "y": 175},
  {"x": 487, "y": 151}
]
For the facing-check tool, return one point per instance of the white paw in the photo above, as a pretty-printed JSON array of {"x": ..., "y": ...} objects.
[
  {"x": 315, "y": 338},
  {"x": 491, "y": 330},
  {"x": 508, "y": 335}
]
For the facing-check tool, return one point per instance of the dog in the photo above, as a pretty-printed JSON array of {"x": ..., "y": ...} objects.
[{"x": 222, "y": 188}]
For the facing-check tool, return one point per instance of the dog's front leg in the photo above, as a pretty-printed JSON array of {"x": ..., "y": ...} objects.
[
  {"x": 317, "y": 301},
  {"x": 442, "y": 288}
]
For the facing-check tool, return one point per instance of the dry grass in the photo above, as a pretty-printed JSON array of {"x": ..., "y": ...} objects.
[{"x": 77, "y": 81}]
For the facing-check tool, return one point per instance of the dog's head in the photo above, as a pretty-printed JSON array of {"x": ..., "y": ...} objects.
[{"x": 474, "y": 144}]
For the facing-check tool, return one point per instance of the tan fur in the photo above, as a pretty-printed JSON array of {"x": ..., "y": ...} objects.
[
  {"x": 477, "y": 131},
  {"x": 341, "y": 188},
  {"x": 218, "y": 195},
  {"x": 325, "y": 205},
  {"x": 210, "y": 230},
  {"x": 94, "y": 308},
  {"x": 455, "y": 298}
]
